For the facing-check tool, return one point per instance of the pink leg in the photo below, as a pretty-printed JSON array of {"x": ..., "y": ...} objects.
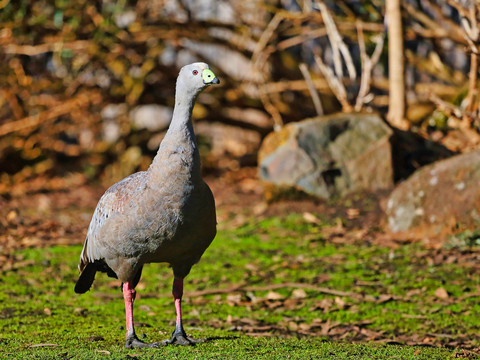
[
  {"x": 131, "y": 339},
  {"x": 129, "y": 296},
  {"x": 179, "y": 336},
  {"x": 177, "y": 293}
]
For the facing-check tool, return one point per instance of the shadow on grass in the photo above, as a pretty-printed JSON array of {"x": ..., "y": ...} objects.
[{"x": 213, "y": 338}]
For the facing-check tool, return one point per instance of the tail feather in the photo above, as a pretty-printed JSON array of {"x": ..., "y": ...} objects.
[{"x": 86, "y": 278}]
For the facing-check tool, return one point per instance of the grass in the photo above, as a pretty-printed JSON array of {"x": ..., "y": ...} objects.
[{"x": 396, "y": 301}]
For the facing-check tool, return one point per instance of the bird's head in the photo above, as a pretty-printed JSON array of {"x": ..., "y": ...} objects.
[{"x": 196, "y": 77}]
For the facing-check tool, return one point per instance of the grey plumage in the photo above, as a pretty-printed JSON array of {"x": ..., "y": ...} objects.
[{"x": 164, "y": 214}]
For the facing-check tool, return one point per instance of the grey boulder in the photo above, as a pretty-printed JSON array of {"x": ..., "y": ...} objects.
[
  {"x": 328, "y": 156},
  {"x": 437, "y": 199}
]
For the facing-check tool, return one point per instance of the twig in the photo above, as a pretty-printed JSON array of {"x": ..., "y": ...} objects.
[
  {"x": 447, "y": 108},
  {"x": 335, "y": 84},
  {"x": 264, "y": 39},
  {"x": 324, "y": 290},
  {"x": 303, "y": 286},
  {"x": 337, "y": 43},
  {"x": 311, "y": 88},
  {"x": 299, "y": 39},
  {"x": 432, "y": 25},
  {"x": 33, "y": 50},
  {"x": 272, "y": 110},
  {"x": 368, "y": 63},
  {"x": 50, "y": 114},
  {"x": 295, "y": 85}
]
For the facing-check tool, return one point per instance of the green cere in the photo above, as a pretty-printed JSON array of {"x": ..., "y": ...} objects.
[{"x": 208, "y": 76}]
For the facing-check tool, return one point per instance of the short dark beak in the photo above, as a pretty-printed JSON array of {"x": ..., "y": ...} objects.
[{"x": 215, "y": 81}]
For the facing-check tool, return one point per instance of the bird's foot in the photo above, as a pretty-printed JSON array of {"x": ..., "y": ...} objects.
[
  {"x": 179, "y": 337},
  {"x": 134, "y": 342}
]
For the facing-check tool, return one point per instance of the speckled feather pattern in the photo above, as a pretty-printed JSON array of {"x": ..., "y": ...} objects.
[{"x": 164, "y": 214}]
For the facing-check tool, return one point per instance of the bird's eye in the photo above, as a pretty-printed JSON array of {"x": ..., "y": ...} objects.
[{"x": 194, "y": 72}]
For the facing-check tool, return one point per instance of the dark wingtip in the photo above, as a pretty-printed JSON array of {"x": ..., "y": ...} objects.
[{"x": 86, "y": 278}]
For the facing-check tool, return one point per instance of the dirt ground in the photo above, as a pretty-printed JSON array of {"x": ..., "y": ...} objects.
[{"x": 62, "y": 217}]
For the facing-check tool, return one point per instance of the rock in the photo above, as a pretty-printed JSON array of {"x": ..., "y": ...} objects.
[
  {"x": 151, "y": 117},
  {"x": 224, "y": 146},
  {"x": 112, "y": 115},
  {"x": 125, "y": 19},
  {"x": 438, "y": 198},
  {"x": 328, "y": 156}
]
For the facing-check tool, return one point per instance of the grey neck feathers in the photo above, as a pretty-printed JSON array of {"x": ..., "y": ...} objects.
[{"x": 177, "y": 158}]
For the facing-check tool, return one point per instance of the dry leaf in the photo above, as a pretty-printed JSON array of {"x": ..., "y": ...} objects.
[
  {"x": 441, "y": 293},
  {"x": 340, "y": 302},
  {"x": 233, "y": 299},
  {"x": 309, "y": 217},
  {"x": 272, "y": 295},
  {"x": 353, "y": 213},
  {"x": 299, "y": 294},
  {"x": 106, "y": 352},
  {"x": 292, "y": 325}
]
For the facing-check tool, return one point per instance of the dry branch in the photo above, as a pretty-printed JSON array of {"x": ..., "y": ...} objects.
[
  {"x": 338, "y": 45},
  {"x": 33, "y": 50},
  {"x": 368, "y": 63},
  {"x": 335, "y": 84},
  {"x": 243, "y": 288},
  {"x": 311, "y": 88},
  {"x": 41, "y": 118},
  {"x": 257, "y": 60}
]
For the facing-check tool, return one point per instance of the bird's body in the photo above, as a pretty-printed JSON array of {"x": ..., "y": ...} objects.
[{"x": 164, "y": 214}]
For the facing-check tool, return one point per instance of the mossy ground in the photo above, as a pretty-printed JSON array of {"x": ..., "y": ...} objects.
[{"x": 394, "y": 298}]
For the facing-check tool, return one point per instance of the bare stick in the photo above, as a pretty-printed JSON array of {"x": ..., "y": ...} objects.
[
  {"x": 368, "y": 63},
  {"x": 264, "y": 39},
  {"x": 34, "y": 120},
  {"x": 272, "y": 110},
  {"x": 311, "y": 88},
  {"x": 335, "y": 84},
  {"x": 338, "y": 45}
]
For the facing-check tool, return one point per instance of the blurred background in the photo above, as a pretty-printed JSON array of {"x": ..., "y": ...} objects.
[{"x": 87, "y": 91}]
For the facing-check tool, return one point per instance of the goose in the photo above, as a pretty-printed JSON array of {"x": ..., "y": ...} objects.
[{"x": 164, "y": 214}]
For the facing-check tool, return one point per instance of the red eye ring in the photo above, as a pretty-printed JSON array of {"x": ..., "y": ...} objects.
[{"x": 194, "y": 72}]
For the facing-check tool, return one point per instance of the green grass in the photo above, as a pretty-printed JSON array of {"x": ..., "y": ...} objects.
[{"x": 38, "y": 305}]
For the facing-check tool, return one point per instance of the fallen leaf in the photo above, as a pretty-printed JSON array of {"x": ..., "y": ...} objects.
[
  {"x": 11, "y": 216},
  {"x": 292, "y": 326},
  {"x": 340, "y": 302},
  {"x": 47, "y": 311},
  {"x": 309, "y": 217},
  {"x": 441, "y": 293},
  {"x": 233, "y": 299},
  {"x": 272, "y": 295},
  {"x": 352, "y": 213},
  {"x": 299, "y": 294},
  {"x": 106, "y": 352}
]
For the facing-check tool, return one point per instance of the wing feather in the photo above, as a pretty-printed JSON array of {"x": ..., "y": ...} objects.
[{"x": 112, "y": 202}]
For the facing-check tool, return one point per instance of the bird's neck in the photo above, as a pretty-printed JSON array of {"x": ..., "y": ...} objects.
[{"x": 178, "y": 158}]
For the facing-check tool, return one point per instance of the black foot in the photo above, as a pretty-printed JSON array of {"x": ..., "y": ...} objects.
[
  {"x": 179, "y": 337},
  {"x": 133, "y": 342}
]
